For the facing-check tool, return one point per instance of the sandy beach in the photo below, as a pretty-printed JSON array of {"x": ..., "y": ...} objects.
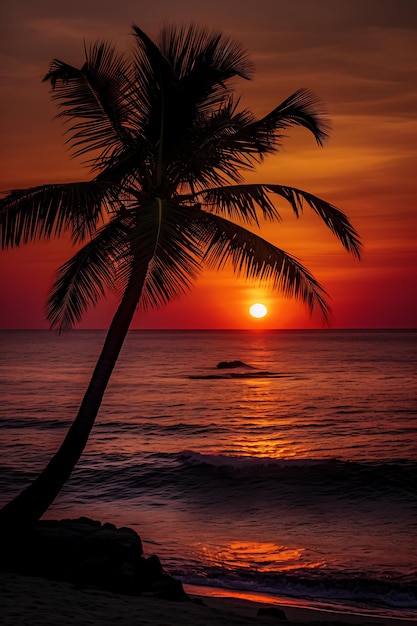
[{"x": 41, "y": 602}]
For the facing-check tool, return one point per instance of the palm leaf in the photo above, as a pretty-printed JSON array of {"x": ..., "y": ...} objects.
[
  {"x": 191, "y": 47},
  {"x": 52, "y": 210},
  {"x": 82, "y": 280},
  {"x": 95, "y": 100},
  {"x": 230, "y": 141},
  {"x": 204, "y": 63},
  {"x": 255, "y": 258},
  {"x": 241, "y": 202},
  {"x": 335, "y": 220},
  {"x": 302, "y": 108},
  {"x": 238, "y": 141}
]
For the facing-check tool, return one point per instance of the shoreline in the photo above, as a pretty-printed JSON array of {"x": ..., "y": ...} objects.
[
  {"x": 27, "y": 599},
  {"x": 299, "y": 606}
]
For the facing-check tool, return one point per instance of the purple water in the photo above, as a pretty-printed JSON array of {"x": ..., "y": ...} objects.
[{"x": 296, "y": 477}]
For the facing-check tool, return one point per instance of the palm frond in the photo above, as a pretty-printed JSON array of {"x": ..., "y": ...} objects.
[
  {"x": 255, "y": 258},
  {"x": 239, "y": 202},
  {"x": 302, "y": 108},
  {"x": 229, "y": 141},
  {"x": 335, "y": 220},
  {"x": 204, "y": 63},
  {"x": 95, "y": 101},
  {"x": 51, "y": 210},
  {"x": 189, "y": 47},
  {"x": 83, "y": 280}
]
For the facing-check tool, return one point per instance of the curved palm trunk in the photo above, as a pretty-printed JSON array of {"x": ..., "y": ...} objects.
[{"x": 29, "y": 506}]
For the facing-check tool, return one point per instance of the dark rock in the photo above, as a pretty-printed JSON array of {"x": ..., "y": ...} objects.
[
  {"x": 154, "y": 567},
  {"x": 272, "y": 611},
  {"x": 231, "y": 364},
  {"x": 168, "y": 588},
  {"x": 86, "y": 552}
]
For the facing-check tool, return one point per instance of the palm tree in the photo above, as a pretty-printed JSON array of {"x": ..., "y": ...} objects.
[{"x": 167, "y": 147}]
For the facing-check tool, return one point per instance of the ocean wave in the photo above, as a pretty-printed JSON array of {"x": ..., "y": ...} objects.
[
  {"x": 298, "y": 481},
  {"x": 355, "y": 591},
  {"x": 343, "y": 479},
  {"x": 239, "y": 463},
  {"x": 245, "y": 462},
  {"x": 42, "y": 423}
]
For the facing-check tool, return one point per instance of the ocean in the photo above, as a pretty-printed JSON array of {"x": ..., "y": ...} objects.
[{"x": 294, "y": 477}]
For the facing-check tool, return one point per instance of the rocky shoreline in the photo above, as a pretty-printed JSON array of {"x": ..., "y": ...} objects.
[{"x": 86, "y": 552}]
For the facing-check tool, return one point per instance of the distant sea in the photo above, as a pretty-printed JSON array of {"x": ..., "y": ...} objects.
[{"x": 295, "y": 477}]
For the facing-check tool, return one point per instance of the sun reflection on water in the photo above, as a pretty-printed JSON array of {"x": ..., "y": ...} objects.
[
  {"x": 255, "y": 555},
  {"x": 268, "y": 431}
]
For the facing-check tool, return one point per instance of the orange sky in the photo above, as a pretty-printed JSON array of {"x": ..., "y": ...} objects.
[{"x": 358, "y": 56}]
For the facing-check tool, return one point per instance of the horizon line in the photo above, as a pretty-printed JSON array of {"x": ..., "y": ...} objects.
[{"x": 347, "y": 328}]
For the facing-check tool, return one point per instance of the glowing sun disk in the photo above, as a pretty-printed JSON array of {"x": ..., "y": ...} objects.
[{"x": 258, "y": 310}]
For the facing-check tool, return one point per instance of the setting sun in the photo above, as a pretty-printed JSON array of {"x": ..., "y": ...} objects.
[{"x": 258, "y": 310}]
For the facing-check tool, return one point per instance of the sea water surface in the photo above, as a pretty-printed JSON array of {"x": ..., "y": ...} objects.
[{"x": 294, "y": 477}]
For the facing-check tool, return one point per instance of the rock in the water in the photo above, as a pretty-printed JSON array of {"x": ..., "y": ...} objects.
[
  {"x": 86, "y": 552},
  {"x": 231, "y": 364}
]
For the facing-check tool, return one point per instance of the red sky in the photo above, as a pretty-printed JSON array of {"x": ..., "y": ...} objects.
[{"x": 358, "y": 56}]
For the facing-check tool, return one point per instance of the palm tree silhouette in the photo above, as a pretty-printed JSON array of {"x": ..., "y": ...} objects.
[{"x": 167, "y": 147}]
